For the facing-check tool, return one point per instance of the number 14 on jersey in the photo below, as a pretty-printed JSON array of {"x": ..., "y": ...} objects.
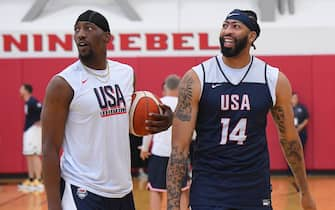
[{"x": 237, "y": 134}]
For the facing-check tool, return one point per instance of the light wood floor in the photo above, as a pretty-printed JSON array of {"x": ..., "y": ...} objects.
[{"x": 283, "y": 196}]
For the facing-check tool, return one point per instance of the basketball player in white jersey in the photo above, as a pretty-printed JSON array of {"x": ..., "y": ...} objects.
[
  {"x": 226, "y": 99},
  {"x": 86, "y": 113},
  {"x": 160, "y": 152}
]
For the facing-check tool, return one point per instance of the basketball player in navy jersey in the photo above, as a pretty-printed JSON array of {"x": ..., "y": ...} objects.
[
  {"x": 226, "y": 100},
  {"x": 301, "y": 116},
  {"x": 86, "y": 113},
  {"x": 32, "y": 140}
]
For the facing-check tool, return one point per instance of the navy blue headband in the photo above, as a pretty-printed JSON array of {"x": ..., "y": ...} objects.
[
  {"x": 241, "y": 16},
  {"x": 96, "y": 18}
]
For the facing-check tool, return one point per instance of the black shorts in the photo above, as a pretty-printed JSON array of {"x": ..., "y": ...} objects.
[
  {"x": 157, "y": 174},
  {"x": 76, "y": 198}
]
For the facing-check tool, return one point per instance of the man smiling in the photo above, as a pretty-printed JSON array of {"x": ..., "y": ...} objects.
[{"x": 231, "y": 161}]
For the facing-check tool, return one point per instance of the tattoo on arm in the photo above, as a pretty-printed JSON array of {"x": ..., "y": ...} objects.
[
  {"x": 292, "y": 151},
  {"x": 292, "y": 148},
  {"x": 176, "y": 171},
  {"x": 278, "y": 116},
  {"x": 184, "y": 107}
]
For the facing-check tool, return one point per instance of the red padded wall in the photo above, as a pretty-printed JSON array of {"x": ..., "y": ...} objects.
[
  {"x": 323, "y": 91},
  {"x": 11, "y": 120},
  {"x": 298, "y": 69},
  {"x": 311, "y": 76}
]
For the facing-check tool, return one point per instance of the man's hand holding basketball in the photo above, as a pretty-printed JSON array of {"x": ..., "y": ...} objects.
[{"x": 160, "y": 122}]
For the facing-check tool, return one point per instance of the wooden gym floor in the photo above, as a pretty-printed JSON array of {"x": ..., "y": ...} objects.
[{"x": 284, "y": 196}]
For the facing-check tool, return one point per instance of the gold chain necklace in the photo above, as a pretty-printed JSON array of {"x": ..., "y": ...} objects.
[{"x": 101, "y": 77}]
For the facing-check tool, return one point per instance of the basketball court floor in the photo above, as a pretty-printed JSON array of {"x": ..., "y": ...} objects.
[{"x": 284, "y": 197}]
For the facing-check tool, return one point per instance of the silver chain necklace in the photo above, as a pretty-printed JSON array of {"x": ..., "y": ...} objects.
[{"x": 104, "y": 78}]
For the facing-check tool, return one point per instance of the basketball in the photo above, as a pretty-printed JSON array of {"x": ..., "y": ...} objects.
[{"x": 143, "y": 102}]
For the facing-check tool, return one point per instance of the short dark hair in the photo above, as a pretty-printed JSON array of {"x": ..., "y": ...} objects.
[
  {"x": 172, "y": 82},
  {"x": 28, "y": 87}
]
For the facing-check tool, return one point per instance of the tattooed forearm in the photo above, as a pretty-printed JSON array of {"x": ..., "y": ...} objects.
[
  {"x": 184, "y": 108},
  {"x": 295, "y": 158},
  {"x": 175, "y": 172},
  {"x": 293, "y": 153},
  {"x": 292, "y": 148},
  {"x": 279, "y": 117}
]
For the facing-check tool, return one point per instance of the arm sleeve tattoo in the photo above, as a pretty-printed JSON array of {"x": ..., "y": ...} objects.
[
  {"x": 176, "y": 171},
  {"x": 184, "y": 107},
  {"x": 291, "y": 147}
]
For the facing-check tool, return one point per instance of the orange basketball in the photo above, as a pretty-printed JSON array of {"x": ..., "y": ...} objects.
[{"x": 143, "y": 102}]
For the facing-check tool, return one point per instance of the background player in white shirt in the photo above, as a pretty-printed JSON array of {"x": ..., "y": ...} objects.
[
  {"x": 86, "y": 113},
  {"x": 160, "y": 152}
]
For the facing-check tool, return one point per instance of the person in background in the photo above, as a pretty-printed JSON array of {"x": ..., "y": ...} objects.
[
  {"x": 32, "y": 140},
  {"x": 160, "y": 152},
  {"x": 138, "y": 166},
  {"x": 301, "y": 118}
]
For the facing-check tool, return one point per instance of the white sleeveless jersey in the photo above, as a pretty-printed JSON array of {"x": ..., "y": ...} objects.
[
  {"x": 96, "y": 142},
  {"x": 162, "y": 141}
]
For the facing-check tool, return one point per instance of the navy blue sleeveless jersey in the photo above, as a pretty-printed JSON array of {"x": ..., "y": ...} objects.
[
  {"x": 231, "y": 160},
  {"x": 32, "y": 109}
]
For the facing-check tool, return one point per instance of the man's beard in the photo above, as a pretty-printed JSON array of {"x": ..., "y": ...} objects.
[
  {"x": 231, "y": 52},
  {"x": 87, "y": 56}
]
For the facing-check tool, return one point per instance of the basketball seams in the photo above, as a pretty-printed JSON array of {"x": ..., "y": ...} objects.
[
  {"x": 154, "y": 98},
  {"x": 137, "y": 99},
  {"x": 131, "y": 112}
]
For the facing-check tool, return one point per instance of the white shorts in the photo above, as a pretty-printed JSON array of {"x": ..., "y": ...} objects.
[
  {"x": 32, "y": 141},
  {"x": 68, "y": 202}
]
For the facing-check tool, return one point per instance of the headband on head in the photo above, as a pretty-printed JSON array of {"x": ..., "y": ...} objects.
[
  {"x": 241, "y": 16},
  {"x": 96, "y": 18}
]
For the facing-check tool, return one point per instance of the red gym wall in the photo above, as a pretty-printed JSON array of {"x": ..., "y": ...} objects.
[{"x": 311, "y": 76}]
